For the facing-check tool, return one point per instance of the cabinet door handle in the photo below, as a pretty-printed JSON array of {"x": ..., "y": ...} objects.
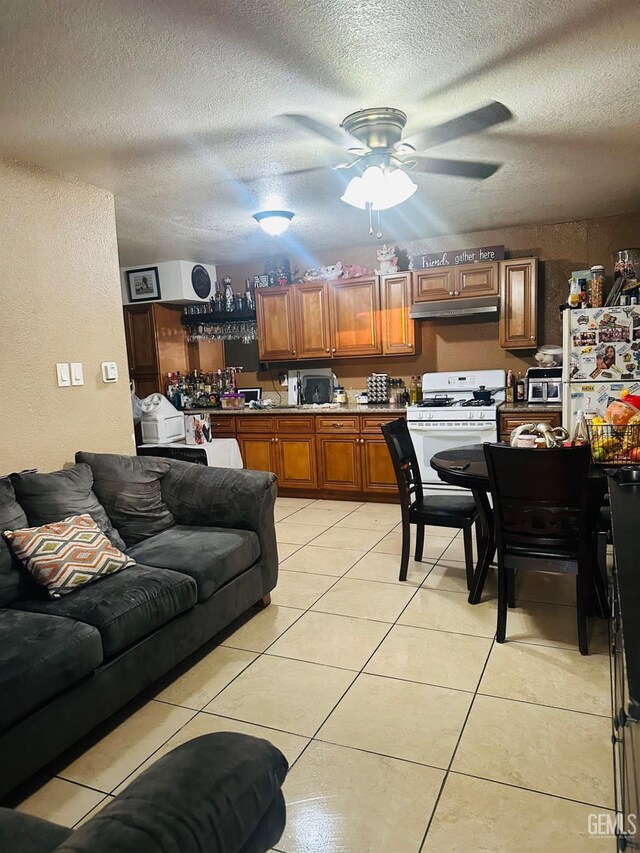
[
  {"x": 328, "y": 350},
  {"x": 276, "y": 440},
  {"x": 532, "y": 338},
  {"x": 451, "y": 293},
  {"x": 333, "y": 350},
  {"x": 337, "y": 424},
  {"x": 456, "y": 293},
  {"x": 293, "y": 352}
]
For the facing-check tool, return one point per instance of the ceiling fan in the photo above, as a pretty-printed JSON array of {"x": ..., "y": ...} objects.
[{"x": 375, "y": 137}]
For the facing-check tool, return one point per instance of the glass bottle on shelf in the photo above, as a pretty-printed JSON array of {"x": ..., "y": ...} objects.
[
  {"x": 580, "y": 432},
  {"x": 520, "y": 388},
  {"x": 218, "y": 298}
]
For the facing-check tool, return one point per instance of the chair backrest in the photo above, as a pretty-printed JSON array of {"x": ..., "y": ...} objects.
[
  {"x": 540, "y": 498},
  {"x": 186, "y": 454},
  {"x": 405, "y": 462}
]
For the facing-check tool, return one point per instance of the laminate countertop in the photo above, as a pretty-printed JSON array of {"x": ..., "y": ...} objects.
[{"x": 329, "y": 409}]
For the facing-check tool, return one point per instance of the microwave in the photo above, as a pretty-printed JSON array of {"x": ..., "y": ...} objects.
[{"x": 544, "y": 385}]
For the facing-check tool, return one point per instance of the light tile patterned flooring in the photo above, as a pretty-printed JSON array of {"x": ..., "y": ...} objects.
[{"x": 406, "y": 726}]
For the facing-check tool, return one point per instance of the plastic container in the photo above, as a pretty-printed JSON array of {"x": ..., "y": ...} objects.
[
  {"x": 232, "y": 401},
  {"x": 597, "y": 285}
]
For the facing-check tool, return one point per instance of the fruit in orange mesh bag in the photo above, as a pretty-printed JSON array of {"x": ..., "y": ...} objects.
[
  {"x": 632, "y": 433},
  {"x": 634, "y": 454},
  {"x": 619, "y": 412}
]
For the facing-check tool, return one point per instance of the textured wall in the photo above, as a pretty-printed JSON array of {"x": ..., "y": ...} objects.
[
  {"x": 59, "y": 301},
  {"x": 457, "y": 344}
]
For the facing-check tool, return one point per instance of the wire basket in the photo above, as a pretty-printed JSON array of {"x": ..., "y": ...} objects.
[{"x": 615, "y": 445}]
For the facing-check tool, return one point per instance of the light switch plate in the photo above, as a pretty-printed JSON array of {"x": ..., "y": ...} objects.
[
  {"x": 109, "y": 371},
  {"x": 62, "y": 372},
  {"x": 77, "y": 375}
]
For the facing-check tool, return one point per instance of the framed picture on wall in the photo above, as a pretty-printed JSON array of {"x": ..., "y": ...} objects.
[{"x": 144, "y": 284}]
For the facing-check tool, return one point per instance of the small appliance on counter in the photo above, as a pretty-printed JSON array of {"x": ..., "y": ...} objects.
[
  {"x": 311, "y": 386},
  {"x": 161, "y": 422},
  {"x": 544, "y": 385}
]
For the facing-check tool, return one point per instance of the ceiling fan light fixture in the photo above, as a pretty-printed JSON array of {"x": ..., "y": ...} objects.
[
  {"x": 381, "y": 188},
  {"x": 274, "y": 222}
]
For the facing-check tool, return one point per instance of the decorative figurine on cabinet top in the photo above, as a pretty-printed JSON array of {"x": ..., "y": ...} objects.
[
  {"x": 332, "y": 272},
  {"x": 387, "y": 260},
  {"x": 355, "y": 271}
]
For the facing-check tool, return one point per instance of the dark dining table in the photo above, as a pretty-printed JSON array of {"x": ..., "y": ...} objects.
[{"x": 465, "y": 467}]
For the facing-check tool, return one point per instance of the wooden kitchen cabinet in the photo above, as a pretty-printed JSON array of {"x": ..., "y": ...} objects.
[
  {"x": 477, "y": 280},
  {"x": 466, "y": 280},
  {"x": 508, "y": 422},
  {"x": 398, "y": 336},
  {"x": 276, "y": 323},
  {"x": 519, "y": 303},
  {"x": 296, "y": 461},
  {"x": 355, "y": 317},
  {"x": 312, "y": 320},
  {"x": 434, "y": 284},
  {"x": 258, "y": 452},
  {"x": 339, "y": 462},
  {"x": 156, "y": 345},
  {"x": 377, "y": 470}
]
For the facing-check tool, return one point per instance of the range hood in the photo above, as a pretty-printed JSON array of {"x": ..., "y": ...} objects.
[{"x": 454, "y": 308}]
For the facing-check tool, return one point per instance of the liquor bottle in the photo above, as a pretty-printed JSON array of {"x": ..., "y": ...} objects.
[
  {"x": 580, "y": 432},
  {"x": 228, "y": 295},
  {"x": 218, "y": 298},
  {"x": 248, "y": 296},
  {"x": 520, "y": 388},
  {"x": 509, "y": 391},
  {"x": 413, "y": 391}
]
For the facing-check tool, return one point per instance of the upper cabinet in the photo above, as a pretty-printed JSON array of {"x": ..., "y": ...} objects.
[
  {"x": 519, "y": 303},
  {"x": 398, "y": 336},
  {"x": 276, "y": 324},
  {"x": 336, "y": 319},
  {"x": 451, "y": 282},
  {"x": 355, "y": 317},
  {"x": 156, "y": 344}
]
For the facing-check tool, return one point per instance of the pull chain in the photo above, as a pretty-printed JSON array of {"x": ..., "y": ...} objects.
[
  {"x": 379, "y": 234},
  {"x": 369, "y": 207}
]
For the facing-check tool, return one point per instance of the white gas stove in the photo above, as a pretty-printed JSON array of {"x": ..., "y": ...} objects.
[{"x": 449, "y": 416}]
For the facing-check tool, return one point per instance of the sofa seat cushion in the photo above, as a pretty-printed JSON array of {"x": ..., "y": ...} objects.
[
  {"x": 123, "y": 607},
  {"x": 212, "y": 556},
  {"x": 40, "y": 656}
]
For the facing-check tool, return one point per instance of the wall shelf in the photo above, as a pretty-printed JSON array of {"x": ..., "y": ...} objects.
[{"x": 218, "y": 317}]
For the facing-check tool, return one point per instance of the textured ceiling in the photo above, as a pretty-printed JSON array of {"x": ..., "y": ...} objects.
[{"x": 172, "y": 105}]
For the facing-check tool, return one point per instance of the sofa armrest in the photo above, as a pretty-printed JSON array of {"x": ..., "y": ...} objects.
[
  {"x": 226, "y": 497},
  {"x": 215, "y": 793}
]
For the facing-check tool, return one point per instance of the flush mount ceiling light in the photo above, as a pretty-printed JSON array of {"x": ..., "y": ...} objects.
[
  {"x": 274, "y": 222},
  {"x": 379, "y": 187}
]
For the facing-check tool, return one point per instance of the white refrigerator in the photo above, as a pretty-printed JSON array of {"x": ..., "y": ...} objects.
[{"x": 601, "y": 357}]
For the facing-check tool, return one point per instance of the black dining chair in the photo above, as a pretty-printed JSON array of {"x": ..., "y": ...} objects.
[
  {"x": 544, "y": 520},
  {"x": 442, "y": 510}
]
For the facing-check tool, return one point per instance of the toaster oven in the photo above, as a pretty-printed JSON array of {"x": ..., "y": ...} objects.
[{"x": 544, "y": 385}]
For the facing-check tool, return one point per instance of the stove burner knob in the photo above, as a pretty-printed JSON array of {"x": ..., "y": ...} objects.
[
  {"x": 472, "y": 415},
  {"x": 481, "y": 414}
]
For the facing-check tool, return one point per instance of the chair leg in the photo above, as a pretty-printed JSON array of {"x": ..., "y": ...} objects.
[
  {"x": 406, "y": 543},
  {"x": 419, "y": 541},
  {"x": 581, "y": 601},
  {"x": 503, "y": 597},
  {"x": 511, "y": 587},
  {"x": 468, "y": 555},
  {"x": 602, "y": 554}
]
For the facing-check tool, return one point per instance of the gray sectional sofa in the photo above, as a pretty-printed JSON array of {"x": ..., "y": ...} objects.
[{"x": 205, "y": 549}]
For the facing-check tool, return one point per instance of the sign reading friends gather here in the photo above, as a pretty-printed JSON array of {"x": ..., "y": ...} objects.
[{"x": 455, "y": 257}]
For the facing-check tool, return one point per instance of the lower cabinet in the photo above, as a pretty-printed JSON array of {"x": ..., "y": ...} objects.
[
  {"x": 508, "y": 422},
  {"x": 377, "y": 470},
  {"x": 339, "y": 462},
  {"x": 292, "y": 458}
]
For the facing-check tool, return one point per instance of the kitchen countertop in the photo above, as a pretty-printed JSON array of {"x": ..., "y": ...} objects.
[
  {"x": 332, "y": 409},
  {"x": 522, "y": 407}
]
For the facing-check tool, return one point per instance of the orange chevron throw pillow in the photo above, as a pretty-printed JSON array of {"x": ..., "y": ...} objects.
[{"x": 65, "y": 555}]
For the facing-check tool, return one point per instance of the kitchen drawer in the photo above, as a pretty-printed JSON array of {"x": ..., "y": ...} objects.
[
  {"x": 222, "y": 423},
  {"x": 295, "y": 423},
  {"x": 510, "y": 422},
  {"x": 255, "y": 423},
  {"x": 348, "y": 423},
  {"x": 372, "y": 423}
]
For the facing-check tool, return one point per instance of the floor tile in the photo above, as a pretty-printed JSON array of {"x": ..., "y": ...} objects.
[
  {"x": 450, "y": 611},
  {"x": 560, "y": 677},
  {"x": 544, "y": 749},
  {"x": 203, "y": 724},
  {"x": 332, "y": 640},
  {"x": 365, "y": 599},
  {"x": 434, "y": 546},
  {"x": 377, "y": 508},
  {"x": 352, "y": 540},
  {"x": 432, "y": 657},
  {"x": 335, "y": 504},
  {"x": 385, "y": 568},
  {"x": 322, "y": 561},
  {"x": 545, "y": 587},
  {"x": 295, "y": 503},
  {"x": 105, "y": 764},
  {"x": 299, "y": 589},
  {"x": 285, "y": 550},
  {"x": 554, "y": 625},
  {"x": 452, "y": 576},
  {"x": 455, "y": 551},
  {"x": 282, "y": 512},
  {"x": 297, "y": 534},
  {"x": 261, "y": 630},
  {"x": 108, "y": 799},
  {"x": 485, "y": 817},
  {"x": 417, "y": 722},
  {"x": 202, "y": 681},
  {"x": 285, "y": 694},
  {"x": 344, "y": 800},
  {"x": 368, "y": 521},
  {"x": 61, "y": 802},
  {"x": 318, "y": 515}
]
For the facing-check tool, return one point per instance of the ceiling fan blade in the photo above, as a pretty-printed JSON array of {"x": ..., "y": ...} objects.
[
  {"x": 457, "y": 168},
  {"x": 491, "y": 114},
  {"x": 327, "y": 131}
]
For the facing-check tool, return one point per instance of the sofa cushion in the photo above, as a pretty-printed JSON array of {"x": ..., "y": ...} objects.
[
  {"x": 65, "y": 555},
  {"x": 124, "y": 607},
  {"x": 15, "y": 581},
  {"x": 129, "y": 489},
  {"x": 212, "y": 556},
  {"x": 24, "y": 833},
  {"x": 40, "y": 656},
  {"x": 52, "y": 497}
]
